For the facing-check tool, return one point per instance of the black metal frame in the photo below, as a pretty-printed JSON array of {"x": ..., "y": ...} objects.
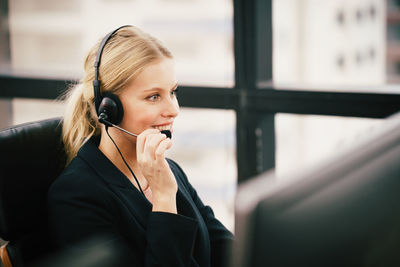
[{"x": 254, "y": 98}]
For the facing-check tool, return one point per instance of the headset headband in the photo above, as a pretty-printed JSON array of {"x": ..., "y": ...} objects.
[{"x": 96, "y": 82}]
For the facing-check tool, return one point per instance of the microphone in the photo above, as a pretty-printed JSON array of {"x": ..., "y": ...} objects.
[
  {"x": 167, "y": 133},
  {"x": 103, "y": 119}
]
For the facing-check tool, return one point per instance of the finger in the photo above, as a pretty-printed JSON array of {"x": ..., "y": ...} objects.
[
  {"x": 141, "y": 140},
  {"x": 162, "y": 147},
  {"x": 152, "y": 142}
]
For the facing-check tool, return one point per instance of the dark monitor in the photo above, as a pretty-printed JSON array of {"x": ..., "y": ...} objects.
[{"x": 345, "y": 212}]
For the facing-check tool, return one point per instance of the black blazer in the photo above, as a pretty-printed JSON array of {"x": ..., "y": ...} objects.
[{"x": 93, "y": 197}]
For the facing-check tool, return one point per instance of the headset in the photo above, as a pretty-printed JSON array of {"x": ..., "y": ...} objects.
[{"x": 108, "y": 106}]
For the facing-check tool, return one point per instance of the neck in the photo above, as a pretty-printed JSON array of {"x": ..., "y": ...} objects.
[
  {"x": 125, "y": 143},
  {"x": 127, "y": 146}
]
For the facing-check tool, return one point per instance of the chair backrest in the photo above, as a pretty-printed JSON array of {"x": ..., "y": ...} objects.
[{"x": 31, "y": 157}]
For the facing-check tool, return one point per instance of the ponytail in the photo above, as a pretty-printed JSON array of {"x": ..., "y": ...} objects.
[{"x": 80, "y": 122}]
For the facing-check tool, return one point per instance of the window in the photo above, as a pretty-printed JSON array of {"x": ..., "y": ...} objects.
[{"x": 51, "y": 38}]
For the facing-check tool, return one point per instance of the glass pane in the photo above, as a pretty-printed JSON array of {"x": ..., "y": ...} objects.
[
  {"x": 303, "y": 141},
  {"x": 204, "y": 146},
  {"x": 346, "y": 45},
  {"x": 51, "y": 38}
]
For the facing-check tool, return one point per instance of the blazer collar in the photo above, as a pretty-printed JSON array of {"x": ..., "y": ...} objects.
[{"x": 104, "y": 168}]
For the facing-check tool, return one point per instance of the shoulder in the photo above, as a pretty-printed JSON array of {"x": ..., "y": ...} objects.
[
  {"x": 179, "y": 173},
  {"x": 173, "y": 165},
  {"x": 176, "y": 169},
  {"x": 78, "y": 178}
]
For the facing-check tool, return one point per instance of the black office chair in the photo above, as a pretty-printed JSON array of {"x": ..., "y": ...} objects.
[{"x": 32, "y": 156}]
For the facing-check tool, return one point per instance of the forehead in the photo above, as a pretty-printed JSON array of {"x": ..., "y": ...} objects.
[{"x": 160, "y": 74}]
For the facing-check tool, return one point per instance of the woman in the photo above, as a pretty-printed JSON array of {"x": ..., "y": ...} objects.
[{"x": 120, "y": 185}]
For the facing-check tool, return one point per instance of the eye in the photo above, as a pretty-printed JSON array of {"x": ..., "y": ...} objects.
[
  {"x": 174, "y": 92},
  {"x": 154, "y": 97}
]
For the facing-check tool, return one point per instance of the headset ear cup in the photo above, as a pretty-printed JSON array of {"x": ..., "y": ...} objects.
[{"x": 112, "y": 107}]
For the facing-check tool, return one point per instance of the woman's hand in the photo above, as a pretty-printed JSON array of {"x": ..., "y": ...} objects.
[{"x": 150, "y": 148}]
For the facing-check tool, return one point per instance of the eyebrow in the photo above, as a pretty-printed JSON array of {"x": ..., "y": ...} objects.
[{"x": 157, "y": 88}]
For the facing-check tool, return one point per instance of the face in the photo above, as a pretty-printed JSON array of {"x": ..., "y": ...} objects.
[{"x": 149, "y": 101}]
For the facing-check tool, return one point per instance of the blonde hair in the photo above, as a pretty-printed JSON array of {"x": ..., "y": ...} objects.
[{"x": 124, "y": 56}]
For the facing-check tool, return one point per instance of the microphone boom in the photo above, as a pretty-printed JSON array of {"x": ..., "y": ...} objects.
[{"x": 103, "y": 119}]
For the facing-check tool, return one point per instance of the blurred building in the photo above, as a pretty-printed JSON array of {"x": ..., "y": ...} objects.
[
  {"x": 329, "y": 43},
  {"x": 393, "y": 41},
  {"x": 53, "y": 37}
]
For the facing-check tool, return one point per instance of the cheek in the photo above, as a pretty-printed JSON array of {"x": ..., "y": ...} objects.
[
  {"x": 146, "y": 118},
  {"x": 139, "y": 117}
]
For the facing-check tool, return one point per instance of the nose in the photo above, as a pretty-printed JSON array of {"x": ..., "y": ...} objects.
[{"x": 171, "y": 108}]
